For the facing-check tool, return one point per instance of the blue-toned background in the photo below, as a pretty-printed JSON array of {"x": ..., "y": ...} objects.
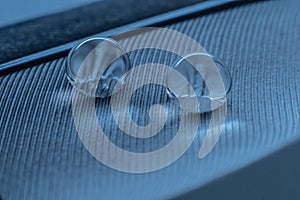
[{"x": 41, "y": 156}]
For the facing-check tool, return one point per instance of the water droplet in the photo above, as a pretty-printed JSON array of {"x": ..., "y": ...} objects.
[
  {"x": 207, "y": 80},
  {"x": 96, "y": 65}
]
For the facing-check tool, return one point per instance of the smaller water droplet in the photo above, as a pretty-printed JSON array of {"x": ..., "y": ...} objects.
[{"x": 207, "y": 79}]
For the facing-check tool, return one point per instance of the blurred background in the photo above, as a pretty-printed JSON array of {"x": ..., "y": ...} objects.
[{"x": 14, "y": 11}]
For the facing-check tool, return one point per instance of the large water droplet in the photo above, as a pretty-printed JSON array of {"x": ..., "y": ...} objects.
[{"x": 96, "y": 65}]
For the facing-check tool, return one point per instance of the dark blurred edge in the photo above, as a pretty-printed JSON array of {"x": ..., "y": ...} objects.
[
  {"x": 199, "y": 9},
  {"x": 45, "y": 32},
  {"x": 276, "y": 176}
]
